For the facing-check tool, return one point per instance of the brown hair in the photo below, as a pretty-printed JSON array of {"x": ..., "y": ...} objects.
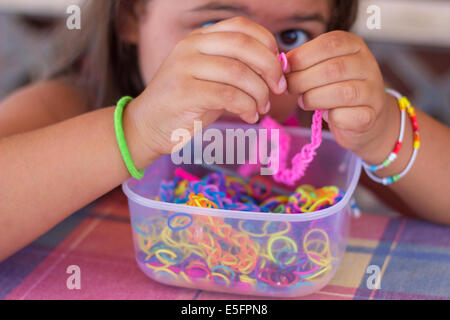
[{"x": 105, "y": 67}]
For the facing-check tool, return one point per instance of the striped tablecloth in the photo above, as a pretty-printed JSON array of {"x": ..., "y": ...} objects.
[{"x": 413, "y": 258}]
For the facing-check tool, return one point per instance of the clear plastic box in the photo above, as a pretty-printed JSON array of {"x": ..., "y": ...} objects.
[{"x": 267, "y": 254}]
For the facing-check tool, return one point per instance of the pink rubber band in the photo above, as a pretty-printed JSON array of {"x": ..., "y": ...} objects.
[
  {"x": 186, "y": 176},
  {"x": 282, "y": 57}
]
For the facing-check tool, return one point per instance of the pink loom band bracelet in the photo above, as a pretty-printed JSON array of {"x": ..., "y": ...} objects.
[{"x": 301, "y": 161}]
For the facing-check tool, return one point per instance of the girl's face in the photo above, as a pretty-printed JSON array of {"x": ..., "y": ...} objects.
[{"x": 166, "y": 22}]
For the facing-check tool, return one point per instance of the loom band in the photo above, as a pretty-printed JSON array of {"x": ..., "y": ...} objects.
[
  {"x": 176, "y": 257},
  {"x": 179, "y": 228},
  {"x": 303, "y": 196},
  {"x": 270, "y": 280},
  {"x": 138, "y": 229},
  {"x": 316, "y": 244},
  {"x": 247, "y": 270},
  {"x": 319, "y": 203},
  {"x": 270, "y": 206},
  {"x": 231, "y": 273},
  {"x": 244, "y": 198},
  {"x": 181, "y": 188},
  {"x": 280, "y": 209},
  {"x": 246, "y": 279},
  {"x": 321, "y": 272},
  {"x": 237, "y": 187},
  {"x": 230, "y": 179},
  {"x": 144, "y": 244},
  {"x": 185, "y": 248},
  {"x": 185, "y": 277},
  {"x": 252, "y": 208},
  {"x": 157, "y": 267},
  {"x": 169, "y": 267},
  {"x": 278, "y": 233},
  {"x": 274, "y": 239},
  {"x": 252, "y": 234},
  {"x": 224, "y": 234},
  {"x": 221, "y": 276},
  {"x": 206, "y": 275},
  {"x": 265, "y": 182},
  {"x": 312, "y": 231},
  {"x": 305, "y": 187},
  {"x": 209, "y": 248},
  {"x": 166, "y": 237},
  {"x": 320, "y": 261},
  {"x": 331, "y": 189},
  {"x": 287, "y": 281},
  {"x": 293, "y": 259},
  {"x": 232, "y": 206},
  {"x": 245, "y": 267},
  {"x": 319, "y": 257},
  {"x": 303, "y": 273},
  {"x": 240, "y": 240},
  {"x": 218, "y": 198}
]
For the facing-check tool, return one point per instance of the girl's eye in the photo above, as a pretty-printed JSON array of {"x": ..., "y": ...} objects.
[
  {"x": 208, "y": 24},
  {"x": 291, "y": 39}
]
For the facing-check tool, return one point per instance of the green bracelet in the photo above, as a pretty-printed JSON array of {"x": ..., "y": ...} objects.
[{"x": 122, "y": 142}]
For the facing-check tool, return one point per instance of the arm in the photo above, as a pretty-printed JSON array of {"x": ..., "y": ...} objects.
[
  {"x": 336, "y": 72},
  {"x": 424, "y": 190},
  {"x": 49, "y": 173}
]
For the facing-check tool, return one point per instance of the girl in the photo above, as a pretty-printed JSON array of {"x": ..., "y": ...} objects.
[{"x": 198, "y": 60}]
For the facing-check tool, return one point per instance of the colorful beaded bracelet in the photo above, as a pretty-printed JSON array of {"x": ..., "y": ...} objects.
[
  {"x": 394, "y": 154},
  {"x": 404, "y": 105}
]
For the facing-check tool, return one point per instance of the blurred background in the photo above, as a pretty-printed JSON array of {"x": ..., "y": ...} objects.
[{"x": 412, "y": 48}]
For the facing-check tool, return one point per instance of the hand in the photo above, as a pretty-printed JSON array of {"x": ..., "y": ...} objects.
[
  {"x": 337, "y": 73},
  {"x": 230, "y": 66}
]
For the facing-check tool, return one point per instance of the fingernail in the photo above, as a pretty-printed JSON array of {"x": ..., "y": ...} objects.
[
  {"x": 256, "y": 118},
  {"x": 300, "y": 102},
  {"x": 282, "y": 85},
  {"x": 325, "y": 116},
  {"x": 266, "y": 108}
]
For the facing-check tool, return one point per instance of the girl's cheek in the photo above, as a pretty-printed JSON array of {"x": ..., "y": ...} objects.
[{"x": 153, "y": 48}]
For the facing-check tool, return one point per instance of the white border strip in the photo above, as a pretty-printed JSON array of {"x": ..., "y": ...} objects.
[{"x": 407, "y": 21}]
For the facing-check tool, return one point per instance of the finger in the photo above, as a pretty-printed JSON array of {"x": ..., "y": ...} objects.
[
  {"x": 334, "y": 70},
  {"x": 342, "y": 94},
  {"x": 248, "y": 50},
  {"x": 245, "y": 26},
  {"x": 357, "y": 119},
  {"x": 326, "y": 46},
  {"x": 234, "y": 73},
  {"x": 219, "y": 96}
]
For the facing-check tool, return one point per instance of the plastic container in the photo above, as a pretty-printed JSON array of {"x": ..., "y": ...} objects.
[{"x": 267, "y": 254}]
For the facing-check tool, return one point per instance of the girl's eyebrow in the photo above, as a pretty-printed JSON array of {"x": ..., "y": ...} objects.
[
  {"x": 220, "y": 6},
  {"x": 303, "y": 18}
]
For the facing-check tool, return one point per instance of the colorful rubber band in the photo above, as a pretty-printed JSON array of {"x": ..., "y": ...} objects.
[{"x": 121, "y": 140}]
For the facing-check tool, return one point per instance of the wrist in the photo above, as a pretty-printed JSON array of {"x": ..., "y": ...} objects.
[
  {"x": 141, "y": 149},
  {"x": 384, "y": 135},
  {"x": 397, "y": 165}
]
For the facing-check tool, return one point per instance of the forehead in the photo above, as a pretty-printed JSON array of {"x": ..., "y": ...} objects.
[{"x": 269, "y": 10}]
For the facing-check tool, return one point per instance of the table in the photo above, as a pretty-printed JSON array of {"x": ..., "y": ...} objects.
[{"x": 413, "y": 259}]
